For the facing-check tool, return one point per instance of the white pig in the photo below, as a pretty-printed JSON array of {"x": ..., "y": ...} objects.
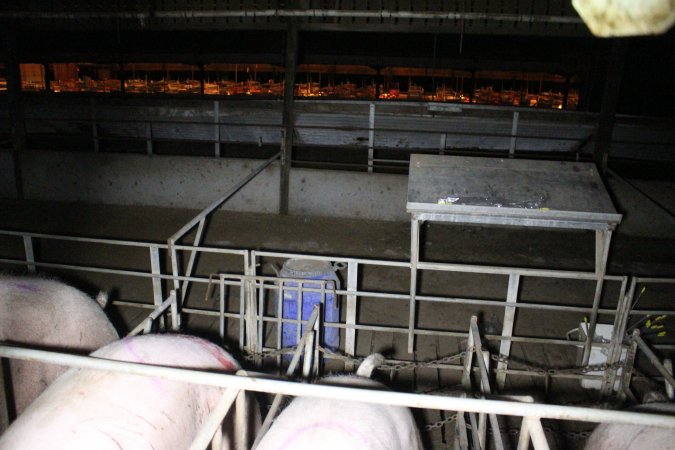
[
  {"x": 311, "y": 423},
  {"x": 89, "y": 409},
  {"x": 50, "y": 315},
  {"x": 613, "y": 436}
]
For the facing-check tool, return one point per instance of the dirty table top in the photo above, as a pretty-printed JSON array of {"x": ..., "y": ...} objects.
[{"x": 509, "y": 192}]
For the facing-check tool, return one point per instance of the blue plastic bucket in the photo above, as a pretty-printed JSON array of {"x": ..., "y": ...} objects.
[{"x": 310, "y": 270}]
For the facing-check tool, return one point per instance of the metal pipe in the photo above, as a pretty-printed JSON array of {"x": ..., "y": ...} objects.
[
  {"x": 269, "y": 385},
  {"x": 297, "y": 13},
  {"x": 233, "y": 190},
  {"x": 158, "y": 311},
  {"x": 214, "y": 420},
  {"x": 537, "y": 433},
  {"x": 82, "y": 239},
  {"x": 654, "y": 359}
]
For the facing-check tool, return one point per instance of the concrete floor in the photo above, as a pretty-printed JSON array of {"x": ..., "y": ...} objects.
[{"x": 643, "y": 245}]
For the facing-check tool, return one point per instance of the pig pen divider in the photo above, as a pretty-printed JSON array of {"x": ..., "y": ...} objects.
[
  {"x": 351, "y": 297},
  {"x": 531, "y": 412}
]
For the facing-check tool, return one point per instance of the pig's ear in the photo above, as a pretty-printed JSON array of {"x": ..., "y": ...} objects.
[{"x": 102, "y": 299}]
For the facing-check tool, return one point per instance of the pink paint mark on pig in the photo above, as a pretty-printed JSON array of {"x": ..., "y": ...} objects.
[
  {"x": 26, "y": 287},
  {"x": 129, "y": 346},
  {"x": 227, "y": 363},
  {"x": 330, "y": 426}
]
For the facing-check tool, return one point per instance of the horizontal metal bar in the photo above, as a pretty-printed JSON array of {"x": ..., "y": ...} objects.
[
  {"x": 211, "y": 249},
  {"x": 651, "y": 312},
  {"x": 133, "y": 304},
  {"x": 298, "y": 13},
  {"x": 496, "y": 270},
  {"x": 277, "y": 386},
  {"x": 378, "y": 262},
  {"x": 84, "y": 239},
  {"x": 109, "y": 271},
  {"x": 655, "y": 280}
]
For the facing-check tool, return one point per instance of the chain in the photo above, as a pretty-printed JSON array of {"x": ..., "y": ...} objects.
[
  {"x": 542, "y": 370},
  {"x": 575, "y": 435},
  {"x": 270, "y": 354},
  {"x": 440, "y": 423},
  {"x": 413, "y": 364}
]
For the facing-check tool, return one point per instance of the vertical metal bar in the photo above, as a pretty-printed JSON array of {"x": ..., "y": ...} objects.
[
  {"x": 280, "y": 304},
  {"x": 251, "y": 328},
  {"x": 514, "y": 133},
  {"x": 609, "y": 103},
  {"x": 507, "y": 329},
  {"x": 468, "y": 361},
  {"x": 175, "y": 312},
  {"x": 94, "y": 125},
  {"x": 466, "y": 384},
  {"x": 318, "y": 325},
  {"x": 212, "y": 424},
  {"x": 441, "y": 149},
  {"x": 460, "y": 430},
  {"x": 193, "y": 256},
  {"x": 537, "y": 433},
  {"x": 4, "y": 407},
  {"x": 371, "y": 136},
  {"x": 241, "y": 421},
  {"x": 307, "y": 361},
  {"x": 216, "y": 131},
  {"x": 217, "y": 440},
  {"x": 30, "y": 255},
  {"x": 668, "y": 365},
  {"x": 288, "y": 119},
  {"x": 148, "y": 326},
  {"x": 483, "y": 361},
  {"x": 250, "y": 293},
  {"x": 156, "y": 269},
  {"x": 242, "y": 313},
  {"x": 276, "y": 403},
  {"x": 616, "y": 343},
  {"x": 414, "y": 260},
  {"x": 148, "y": 136},
  {"x": 221, "y": 309},
  {"x": 524, "y": 438},
  {"x": 298, "y": 317},
  {"x": 602, "y": 240},
  {"x": 350, "y": 317},
  {"x": 624, "y": 387},
  {"x": 261, "y": 315}
]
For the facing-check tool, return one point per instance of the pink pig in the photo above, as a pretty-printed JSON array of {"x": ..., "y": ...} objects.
[
  {"x": 311, "y": 423},
  {"x": 49, "y": 315},
  {"x": 89, "y": 409}
]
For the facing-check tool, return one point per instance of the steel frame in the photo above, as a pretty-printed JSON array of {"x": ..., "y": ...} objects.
[
  {"x": 253, "y": 316},
  {"x": 251, "y": 259}
]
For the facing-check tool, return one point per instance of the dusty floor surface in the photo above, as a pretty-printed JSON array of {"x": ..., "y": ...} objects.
[{"x": 645, "y": 247}]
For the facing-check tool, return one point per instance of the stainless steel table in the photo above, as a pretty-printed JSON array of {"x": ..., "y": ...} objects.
[{"x": 523, "y": 193}]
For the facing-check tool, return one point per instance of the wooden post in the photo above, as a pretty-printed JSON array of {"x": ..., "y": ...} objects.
[
  {"x": 610, "y": 100},
  {"x": 288, "y": 119}
]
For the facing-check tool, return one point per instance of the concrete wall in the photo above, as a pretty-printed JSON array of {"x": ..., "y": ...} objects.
[
  {"x": 195, "y": 182},
  {"x": 7, "y": 180}
]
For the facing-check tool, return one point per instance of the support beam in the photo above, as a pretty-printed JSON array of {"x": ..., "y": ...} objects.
[
  {"x": 17, "y": 124},
  {"x": 288, "y": 115},
  {"x": 610, "y": 100}
]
